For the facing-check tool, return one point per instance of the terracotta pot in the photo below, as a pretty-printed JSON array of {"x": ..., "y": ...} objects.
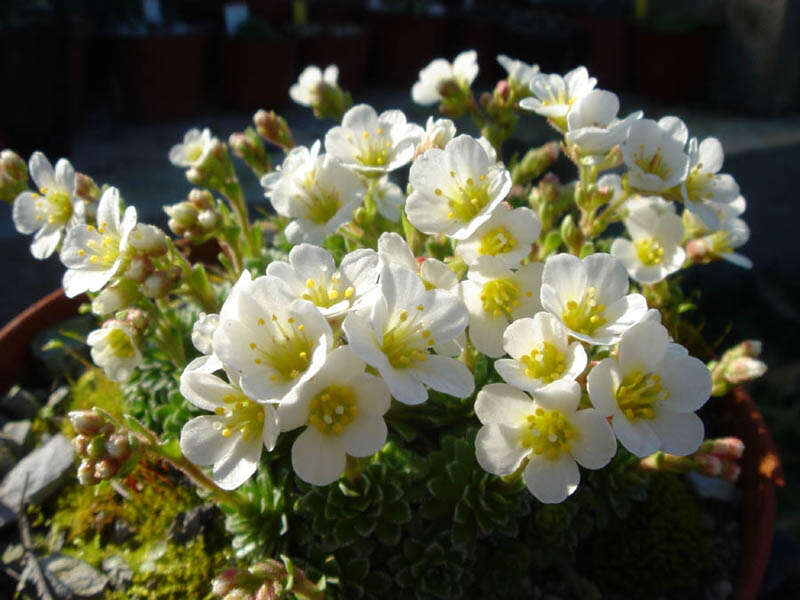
[
  {"x": 17, "y": 334},
  {"x": 160, "y": 77},
  {"x": 258, "y": 73},
  {"x": 738, "y": 415}
]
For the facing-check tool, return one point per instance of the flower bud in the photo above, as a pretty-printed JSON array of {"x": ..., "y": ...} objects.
[
  {"x": 224, "y": 582},
  {"x": 249, "y": 147},
  {"x": 137, "y": 320},
  {"x": 86, "y": 474},
  {"x": 139, "y": 269},
  {"x": 118, "y": 447},
  {"x": 81, "y": 444},
  {"x": 744, "y": 369},
  {"x": 708, "y": 464},
  {"x": 238, "y": 594},
  {"x": 148, "y": 239},
  {"x": 86, "y": 422},
  {"x": 535, "y": 162},
  {"x": 730, "y": 471},
  {"x": 157, "y": 284},
  {"x": 201, "y": 199},
  {"x": 728, "y": 447},
  {"x": 114, "y": 298},
  {"x": 184, "y": 214},
  {"x": 106, "y": 468},
  {"x": 699, "y": 251},
  {"x": 330, "y": 101},
  {"x": 86, "y": 189},
  {"x": 13, "y": 175},
  {"x": 96, "y": 449},
  {"x": 571, "y": 235},
  {"x": 273, "y": 128}
]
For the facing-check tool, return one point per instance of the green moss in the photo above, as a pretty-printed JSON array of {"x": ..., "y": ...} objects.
[
  {"x": 658, "y": 549},
  {"x": 93, "y": 388}
]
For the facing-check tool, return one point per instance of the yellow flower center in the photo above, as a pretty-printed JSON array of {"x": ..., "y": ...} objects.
[
  {"x": 497, "y": 241},
  {"x": 287, "y": 349},
  {"x": 548, "y": 433},
  {"x": 720, "y": 242},
  {"x": 467, "y": 200},
  {"x": 120, "y": 344},
  {"x": 105, "y": 251},
  {"x": 638, "y": 392},
  {"x": 242, "y": 415},
  {"x": 697, "y": 184},
  {"x": 375, "y": 151},
  {"x": 55, "y": 207},
  {"x": 407, "y": 342},
  {"x": 326, "y": 295},
  {"x": 332, "y": 409},
  {"x": 650, "y": 251},
  {"x": 320, "y": 205},
  {"x": 654, "y": 165},
  {"x": 585, "y": 316},
  {"x": 500, "y": 297},
  {"x": 194, "y": 152},
  {"x": 545, "y": 363}
]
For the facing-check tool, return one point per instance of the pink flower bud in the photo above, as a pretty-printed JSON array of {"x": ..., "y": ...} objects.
[
  {"x": 118, "y": 447},
  {"x": 106, "y": 468},
  {"x": 86, "y": 189},
  {"x": 224, "y": 582},
  {"x": 743, "y": 369},
  {"x": 201, "y": 200},
  {"x": 86, "y": 473},
  {"x": 708, "y": 464},
  {"x": 86, "y": 422},
  {"x": 139, "y": 268},
  {"x": 728, "y": 447},
  {"x": 730, "y": 471},
  {"x": 81, "y": 444},
  {"x": 148, "y": 239}
]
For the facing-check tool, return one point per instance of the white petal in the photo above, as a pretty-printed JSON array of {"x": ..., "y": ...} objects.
[
  {"x": 498, "y": 449},
  {"x": 445, "y": 375},
  {"x": 602, "y": 383},
  {"x": 364, "y": 436},
  {"x": 41, "y": 171},
  {"x": 562, "y": 395},
  {"x": 317, "y": 459},
  {"x": 239, "y": 464},
  {"x": 680, "y": 433},
  {"x": 643, "y": 347},
  {"x": 595, "y": 445},
  {"x": 638, "y": 437},
  {"x": 551, "y": 481},
  {"x": 201, "y": 443},
  {"x": 504, "y": 404},
  {"x": 405, "y": 387},
  {"x": 25, "y": 213},
  {"x": 45, "y": 243},
  {"x": 686, "y": 378},
  {"x": 373, "y": 396},
  {"x": 204, "y": 390},
  {"x": 607, "y": 275}
]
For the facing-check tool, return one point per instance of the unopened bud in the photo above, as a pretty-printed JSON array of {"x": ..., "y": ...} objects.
[
  {"x": 86, "y": 189},
  {"x": 201, "y": 199},
  {"x": 699, "y": 251},
  {"x": 184, "y": 213},
  {"x": 106, "y": 468},
  {"x": 117, "y": 446},
  {"x": 268, "y": 591},
  {"x": 728, "y": 447},
  {"x": 571, "y": 235},
  {"x": 730, "y": 471},
  {"x": 273, "y": 128},
  {"x": 139, "y": 268},
  {"x": 208, "y": 220},
  {"x": 708, "y": 464},
  {"x": 13, "y": 175},
  {"x": 535, "y": 162},
  {"x": 158, "y": 284},
  {"x": 96, "y": 448},
  {"x": 137, "y": 320},
  {"x": 86, "y": 474},
  {"x": 743, "y": 369},
  {"x": 330, "y": 101},
  {"x": 148, "y": 239},
  {"x": 238, "y": 594},
  {"x": 224, "y": 582},
  {"x": 249, "y": 147},
  {"x": 81, "y": 444},
  {"x": 86, "y": 422}
]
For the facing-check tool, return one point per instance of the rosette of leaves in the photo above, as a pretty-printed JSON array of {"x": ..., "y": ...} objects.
[
  {"x": 476, "y": 503},
  {"x": 432, "y": 570},
  {"x": 154, "y": 398},
  {"x": 374, "y": 504},
  {"x": 259, "y": 526}
]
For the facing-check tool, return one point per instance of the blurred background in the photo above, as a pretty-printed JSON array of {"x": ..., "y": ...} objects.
[{"x": 114, "y": 84}]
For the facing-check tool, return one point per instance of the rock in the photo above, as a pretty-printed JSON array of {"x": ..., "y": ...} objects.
[
  {"x": 7, "y": 458},
  {"x": 19, "y": 403},
  {"x": 18, "y": 435},
  {"x": 56, "y": 399},
  {"x": 80, "y": 579},
  {"x": 60, "y": 353},
  {"x": 118, "y": 572},
  {"x": 188, "y": 525},
  {"x": 712, "y": 487},
  {"x": 46, "y": 468},
  {"x": 121, "y": 532}
]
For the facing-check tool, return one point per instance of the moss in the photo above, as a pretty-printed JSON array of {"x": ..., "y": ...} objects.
[
  {"x": 91, "y": 389},
  {"x": 161, "y": 570},
  {"x": 659, "y": 548}
]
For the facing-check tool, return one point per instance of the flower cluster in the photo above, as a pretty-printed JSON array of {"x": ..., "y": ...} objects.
[{"x": 475, "y": 296}]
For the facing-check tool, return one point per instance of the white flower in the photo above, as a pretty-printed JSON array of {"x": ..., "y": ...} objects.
[
  {"x": 651, "y": 390},
  {"x": 194, "y": 149},
  {"x": 94, "y": 255},
  {"x": 554, "y": 95},
  {"x": 655, "y": 250},
  {"x": 520, "y": 74},
  {"x": 315, "y": 190},
  {"x": 436, "y": 135},
  {"x": 113, "y": 349},
  {"x": 389, "y": 199},
  {"x": 455, "y": 189},
  {"x": 495, "y": 296},
  {"x": 732, "y": 234},
  {"x": 305, "y": 91},
  {"x": 705, "y": 191},
  {"x": 590, "y": 297},
  {"x": 373, "y": 144},
  {"x": 342, "y": 409},
  {"x": 395, "y": 333},
  {"x": 311, "y": 275},
  {"x": 462, "y": 71},
  {"x": 202, "y": 339},
  {"x": 593, "y": 126},
  {"x": 52, "y": 210},
  {"x": 549, "y": 432},
  {"x": 273, "y": 342},
  {"x": 233, "y": 437},
  {"x": 508, "y": 235},
  {"x": 540, "y": 353},
  {"x": 653, "y": 153}
]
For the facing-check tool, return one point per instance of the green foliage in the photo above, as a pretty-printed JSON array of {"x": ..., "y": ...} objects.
[
  {"x": 92, "y": 389},
  {"x": 461, "y": 492},
  {"x": 657, "y": 549},
  {"x": 432, "y": 570}
]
